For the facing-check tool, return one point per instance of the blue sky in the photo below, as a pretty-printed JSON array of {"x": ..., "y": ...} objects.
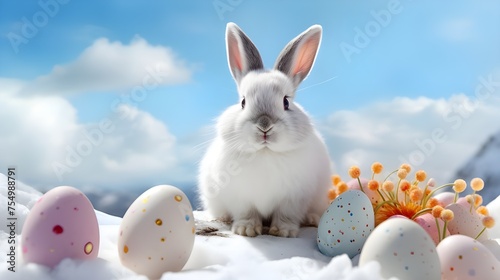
[{"x": 432, "y": 50}]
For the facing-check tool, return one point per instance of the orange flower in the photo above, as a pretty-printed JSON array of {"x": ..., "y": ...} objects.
[
  {"x": 336, "y": 179},
  {"x": 332, "y": 194},
  {"x": 388, "y": 186},
  {"x": 432, "y": 202},
  {"x": 478, "y": 200},
  {"x": 342, "y": 187},
  {"x": 436, "y": 211},
  {"x": 402, "y": 173},
  {"x": 420, "y": 175},
  {"x": 404, "y": 185},
  {"x": 477, "y": 184},
  {"x": 459, "y": 185},
  {"x": 354, "y": 172},
  {"x": 373, "y": 185},
  {"x": 447, "y": 215},
  {"x": 469, "y": 199},
  {"x": 377, "y": 167},
  {"x": 414, "y": 201},
  {"x": 389, "y": 210},
  {"x": 488, "y": 222},
  {"x": 482, "y": 210},
  {"x": 416, "y": 195},
  {"x": 406, "y": 167}
]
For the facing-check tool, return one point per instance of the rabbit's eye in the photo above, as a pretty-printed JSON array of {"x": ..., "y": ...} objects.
[
  {"x": 243, "y": 103},
  {"x": 286, "y": 104}
]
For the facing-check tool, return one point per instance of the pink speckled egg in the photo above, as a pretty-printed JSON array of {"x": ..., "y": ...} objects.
[
  {"x": 374, "y": 196},
  {"x": 62, "y": 224},
  {"x": 464, "y": 258},
  {"x": 157, "y": 232},
  {"x": 403, "y": 249},
  {"x": 463, "y": 201},
  {"x": 445, "y": 198},
  {"x": 466, "y": 221},
  {"x": 428, "y": 223}
]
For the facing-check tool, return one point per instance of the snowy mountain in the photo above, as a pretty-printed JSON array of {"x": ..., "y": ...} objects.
[
  {"x": 116, "y": 203},
  {"x": 486, "y": 165}
]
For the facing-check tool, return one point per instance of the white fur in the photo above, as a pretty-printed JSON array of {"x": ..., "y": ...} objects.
[{"x": 247, "y": 178}]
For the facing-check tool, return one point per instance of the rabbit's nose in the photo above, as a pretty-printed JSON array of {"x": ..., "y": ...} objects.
[{"x": 264, "y": 123}]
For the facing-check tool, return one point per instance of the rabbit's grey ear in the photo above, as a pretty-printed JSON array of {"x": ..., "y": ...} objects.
[
  {"x": 297, "y": 58},
  {"x": 242, "y": 55}
]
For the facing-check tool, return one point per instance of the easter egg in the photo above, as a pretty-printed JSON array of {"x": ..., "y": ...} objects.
[
  {"x": 466, "y": 221},
  {"x": 445, "y": 198},
  {"x": 374, "y": 196},
  {"x": 462, "y": 257},
  {"x": 428, "y": 223},
  {"x": 62, "y": 224},
  {"x": 403, "y": 249},
  {"x": 398, "y": 216},
  {"x": 346, "y": 224},
  {"x": 157, "y": 232}
]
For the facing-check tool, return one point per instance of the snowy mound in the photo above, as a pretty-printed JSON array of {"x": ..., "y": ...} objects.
[{"x": 217, "y": 253}]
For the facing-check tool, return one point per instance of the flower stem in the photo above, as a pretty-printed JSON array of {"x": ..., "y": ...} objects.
[
  {"x": 423, "y": 197},
  {"x": 435, "y": 190},
  {"x": 421, "y": 212},
  {"x": 397, "y": 189},
  {"x": 391, "y": 195},
  {"x": 473, "y": 201},
  {"x": 387, "y": 177},
  {"x": 382, "y": 204},
  {"x": 481, "y": 232},
  {"x": 439, "y": 231},
  {"x": 360, "y": 185},
  {"x": 381, "y": 195},
  {"x": 444, "y": 229}
]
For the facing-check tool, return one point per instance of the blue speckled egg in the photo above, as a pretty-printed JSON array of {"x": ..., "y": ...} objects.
[{"x": 346, "y": 224}]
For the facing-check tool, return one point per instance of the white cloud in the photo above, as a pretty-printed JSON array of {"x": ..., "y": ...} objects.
[
  {"x": 456, "y": 29},
  {"x": 437, "y": 135},
  {"x": 43, "y": 138},
  {"x": 106, "y": 66},
  {"x": 33, "y": 128}
]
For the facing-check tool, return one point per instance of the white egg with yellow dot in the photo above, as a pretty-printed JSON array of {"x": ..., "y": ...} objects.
[{"x": 157, "y": 232}]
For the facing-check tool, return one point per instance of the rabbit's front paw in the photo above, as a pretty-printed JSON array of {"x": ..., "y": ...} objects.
[
  {"x": 284, "y": 229},
  {"x": 311, "y": 220},
  {"x": 248, "y": 227}
]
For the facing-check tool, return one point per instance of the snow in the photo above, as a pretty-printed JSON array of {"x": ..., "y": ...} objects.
[{"x": 217, "y": 253}]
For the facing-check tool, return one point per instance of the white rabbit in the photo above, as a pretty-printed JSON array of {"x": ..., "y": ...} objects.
[{"x": 267, "y": 162}]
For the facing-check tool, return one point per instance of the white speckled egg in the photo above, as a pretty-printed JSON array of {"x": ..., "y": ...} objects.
[
  {"x": 462, "y": 257},
  {"x": 466, "y": 222},
  {"x": 403, "y": 249},
  {"x": 62, "y": 224},
  {"x": 157, "y": 232},
  {"x": 346, "y": 224}
]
